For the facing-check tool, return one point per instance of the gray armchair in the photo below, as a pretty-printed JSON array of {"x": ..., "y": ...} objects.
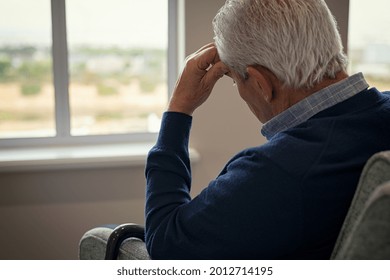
[{"x": 365, "y": 233}]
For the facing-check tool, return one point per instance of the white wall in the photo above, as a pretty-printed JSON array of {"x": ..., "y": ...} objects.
[{"x": 44, "y": 214}]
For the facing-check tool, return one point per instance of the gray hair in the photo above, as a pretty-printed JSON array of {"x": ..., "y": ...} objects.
[{"x": 297, "y": 40}]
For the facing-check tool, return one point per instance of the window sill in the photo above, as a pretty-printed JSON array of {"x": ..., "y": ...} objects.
[{"x": 77, "y": 157}]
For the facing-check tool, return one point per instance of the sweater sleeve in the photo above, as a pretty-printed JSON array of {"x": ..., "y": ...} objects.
[
  {"x": 225, "y": 219},
  {"x": 168, "y": 176}
]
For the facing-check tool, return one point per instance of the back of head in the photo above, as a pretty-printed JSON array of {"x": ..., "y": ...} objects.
[{"x": 297, "y": 40}]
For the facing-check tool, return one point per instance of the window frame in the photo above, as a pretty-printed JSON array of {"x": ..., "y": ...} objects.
[{"x": 60, "y": 70}]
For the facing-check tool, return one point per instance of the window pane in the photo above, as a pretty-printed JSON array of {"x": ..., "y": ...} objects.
[
  {"x": 26, "y": 89},
  {"x": 369, "y": 41},
  {"x": 117, "y": 61}
]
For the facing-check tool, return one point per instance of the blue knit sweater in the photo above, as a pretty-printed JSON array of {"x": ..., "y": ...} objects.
[{"x": 286, "y": 199}]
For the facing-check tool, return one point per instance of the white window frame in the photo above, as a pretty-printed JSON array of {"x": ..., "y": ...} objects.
[{"x": 61, "y": 82}]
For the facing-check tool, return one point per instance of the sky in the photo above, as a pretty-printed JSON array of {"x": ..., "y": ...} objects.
[
  {"x": 136, "y": 22},
  {"x": 102, "y": 22},
  {"x": 125, "y": 22}
]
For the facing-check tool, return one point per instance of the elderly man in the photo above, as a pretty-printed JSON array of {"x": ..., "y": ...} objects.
[{"x": 286, "y": 199}]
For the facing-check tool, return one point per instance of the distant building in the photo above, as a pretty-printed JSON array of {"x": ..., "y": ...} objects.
[{"x": 105, "y": 64}]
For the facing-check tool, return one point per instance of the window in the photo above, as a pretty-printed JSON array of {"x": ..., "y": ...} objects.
[
  {"x": 26, "y": 80},
  {"x": 369, "y": 41},
  {"x": 77, "y": 71}
]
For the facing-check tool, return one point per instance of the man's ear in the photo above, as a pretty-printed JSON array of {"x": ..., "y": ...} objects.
[{"x": 262, "y": 81}]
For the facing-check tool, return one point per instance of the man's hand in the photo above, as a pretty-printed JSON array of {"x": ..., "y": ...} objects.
[{"x": 202, "y": 70}]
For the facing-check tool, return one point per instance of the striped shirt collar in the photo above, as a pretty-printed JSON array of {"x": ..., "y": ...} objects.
[{"x": 315, "y": 103}]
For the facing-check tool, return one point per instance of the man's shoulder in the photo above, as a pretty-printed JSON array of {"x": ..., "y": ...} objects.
[{"x": 289, "y": 152}]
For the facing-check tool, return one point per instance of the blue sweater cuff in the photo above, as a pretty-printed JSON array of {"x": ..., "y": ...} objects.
[{"x": 175, "y": 131}]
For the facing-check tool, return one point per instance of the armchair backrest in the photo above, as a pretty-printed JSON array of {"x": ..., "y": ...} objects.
[{"x": 376, "y": 174}]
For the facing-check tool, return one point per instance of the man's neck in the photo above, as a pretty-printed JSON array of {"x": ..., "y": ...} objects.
[{"x": 289, "y": 97}]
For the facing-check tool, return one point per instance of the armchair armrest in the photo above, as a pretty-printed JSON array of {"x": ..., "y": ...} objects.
[
  {"x": 119, "y": 234},
  {"x": 124, "y": 242}
]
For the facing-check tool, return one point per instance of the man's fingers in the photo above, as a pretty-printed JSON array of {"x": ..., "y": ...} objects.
[
  {"x": 208, "y": 56},
  {"x": 216, "y": 72},
  {"x": 205, "y": 47},
  {"x": 203, "y": 69},
  {"x": 199, "y": 51}
]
